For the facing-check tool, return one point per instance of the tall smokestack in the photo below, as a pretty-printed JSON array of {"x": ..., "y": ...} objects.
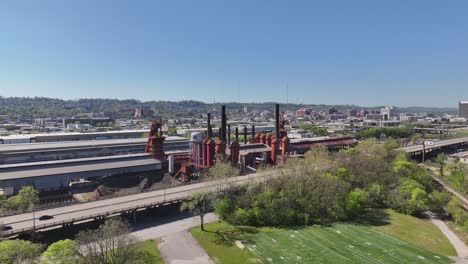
[
  {"x": 253, "y": 131},
  {"x": 229, "y": 134},
  {"x": 245, "y": 134},
  {"x": 237, "y": 134},
  {"x": 277, "y": 125},
  {"x": 223, "y": 123},
  {"x": 208, "y": 125}
]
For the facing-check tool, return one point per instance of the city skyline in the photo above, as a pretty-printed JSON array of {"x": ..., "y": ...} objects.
[{"x": 367, "y": 54}]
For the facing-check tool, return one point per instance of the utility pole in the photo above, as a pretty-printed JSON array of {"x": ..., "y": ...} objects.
[
  {"x": 34, "y": 219},
  {"x": 424, "y": 147}
]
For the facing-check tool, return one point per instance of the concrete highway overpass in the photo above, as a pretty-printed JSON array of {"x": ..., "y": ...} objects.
[
  {"x": 437, "y": 146},
  {"x": 88, "y": 211}
]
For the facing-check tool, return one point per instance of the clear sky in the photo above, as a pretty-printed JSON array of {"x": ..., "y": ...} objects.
[{"x": 403, "y": 53}]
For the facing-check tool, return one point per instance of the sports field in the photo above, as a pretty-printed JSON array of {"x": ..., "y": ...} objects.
[{"x": 341, "y": 243}]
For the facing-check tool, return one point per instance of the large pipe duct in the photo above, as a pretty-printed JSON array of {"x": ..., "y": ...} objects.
[
  {"x": 223, "y": 123},
  {"x": 277, "y": 125}
]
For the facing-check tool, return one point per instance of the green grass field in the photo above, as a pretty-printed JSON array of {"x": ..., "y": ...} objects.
[
  {"x": 420, "y": 232},
  {"x": 149, "y": 253},
  {"x": 341, "y": 243},
  {"x": 412, "y": 240}
]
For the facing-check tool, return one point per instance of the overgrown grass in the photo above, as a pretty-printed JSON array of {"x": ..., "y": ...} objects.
[
  {"x": 149, "y": 253},
  {"x": 219, "y": 243},
  {"x": 420, "y": 232},
  {"x": 388, "y": 237}
]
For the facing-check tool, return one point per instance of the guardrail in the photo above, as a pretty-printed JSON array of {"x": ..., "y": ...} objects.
[{"x": 187, "y": 193}]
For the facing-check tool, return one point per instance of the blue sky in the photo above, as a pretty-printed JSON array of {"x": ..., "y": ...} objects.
[{"x": 371, "y": 52}]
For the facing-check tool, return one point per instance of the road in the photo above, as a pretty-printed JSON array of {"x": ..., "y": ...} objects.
[
  {"x": 437, "y": 144},
  {"x": 102, "y": 208}
]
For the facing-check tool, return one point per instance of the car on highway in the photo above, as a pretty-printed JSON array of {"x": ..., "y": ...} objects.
[
  {"x": 45, "y": 217},
  {"x": 6, "y": 228}
]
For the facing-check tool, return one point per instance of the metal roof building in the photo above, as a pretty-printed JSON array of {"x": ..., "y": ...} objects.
[
  {"x": 51, "y": 175},
  {"x": 17, "y": 153}
]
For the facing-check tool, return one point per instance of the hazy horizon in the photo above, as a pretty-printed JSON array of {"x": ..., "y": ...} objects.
[
  {"x": 229, "y": 102},
  {"x": 365, "y": 53}
]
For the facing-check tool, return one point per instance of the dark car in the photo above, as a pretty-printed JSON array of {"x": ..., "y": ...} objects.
[
  {"x": 6, "y": 228},
  {"x": 45, "y": 217}
]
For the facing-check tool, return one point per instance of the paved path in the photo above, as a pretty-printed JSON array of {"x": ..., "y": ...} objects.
[
  {"x": 446, "y": 187},
  {"x": 170, "y": 227},
  {"x": 182, "y": 248},
  {"x": 460, "y": 247},
  {"x": 176, "y": 244}
]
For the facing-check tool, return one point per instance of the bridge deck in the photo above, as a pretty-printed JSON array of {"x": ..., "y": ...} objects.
[
  {"x": 101, "y": 208},
  {"x": 437, "y": 144}
]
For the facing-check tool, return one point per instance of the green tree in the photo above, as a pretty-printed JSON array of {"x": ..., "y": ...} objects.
[
  {"x": 317, "y": 131},
  {"x": 355, "y": 202},
  {"x": 222, "y": 170},
  {"x": 112, "y": 243},
  {"x": 26, "y": 198},
  {"x": 172, "y": 131},
  {"x": 19, "y": 251},
  {"x": 198, "y": 204},
  {"x": 438, "y": 200},
  {"x": 224, "y": 208},
  {"x": 441, "y": 160},
  {"x": 61, "y": 252}
]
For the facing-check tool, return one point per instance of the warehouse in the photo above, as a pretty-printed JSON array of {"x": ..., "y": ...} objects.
[
  {"x": 74, "y": 136},
  {"x": 52, "y": 175},
  {"x": 17, "y": 153}
]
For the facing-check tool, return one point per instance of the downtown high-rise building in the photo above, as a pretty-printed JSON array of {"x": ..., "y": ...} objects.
[{"x": 463, "y": 109}]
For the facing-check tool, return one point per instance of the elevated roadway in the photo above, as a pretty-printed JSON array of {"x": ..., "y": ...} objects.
[
  {"x": 437, "y": 145},
  {"x": 68, "y": 215}
]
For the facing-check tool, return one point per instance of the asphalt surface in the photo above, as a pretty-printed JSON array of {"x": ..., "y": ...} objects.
[{"x": 437, "y": 144}]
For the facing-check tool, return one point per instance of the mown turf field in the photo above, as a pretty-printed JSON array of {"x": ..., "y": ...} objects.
[{"x": 341, "y": 243}]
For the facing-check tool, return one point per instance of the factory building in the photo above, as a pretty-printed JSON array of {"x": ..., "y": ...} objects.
[
  {"x": 75, "y": 136},
  {"x": 17, "y": 153},
  {"x": 53, "y": 175}
]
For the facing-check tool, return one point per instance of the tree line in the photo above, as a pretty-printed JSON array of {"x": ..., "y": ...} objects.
[
  {"x": 327, "y": 187},
  {"x": 389, "y": 132},
  {"x": 111, "y": 243}
]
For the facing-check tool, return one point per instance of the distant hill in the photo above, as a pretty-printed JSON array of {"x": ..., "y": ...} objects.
[{"x": 38, "y": 107}]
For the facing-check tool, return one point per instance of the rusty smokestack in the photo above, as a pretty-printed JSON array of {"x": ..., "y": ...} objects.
[
  {"x": 277, "y": 125},
  {"x": 237, "y": 134},
  {"x": 208, "y": 125},
  {"x": 223, "y": 123}
]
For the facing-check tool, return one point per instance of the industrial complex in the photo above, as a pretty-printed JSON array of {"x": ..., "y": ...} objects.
[{"x": 58, "y": 162}]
